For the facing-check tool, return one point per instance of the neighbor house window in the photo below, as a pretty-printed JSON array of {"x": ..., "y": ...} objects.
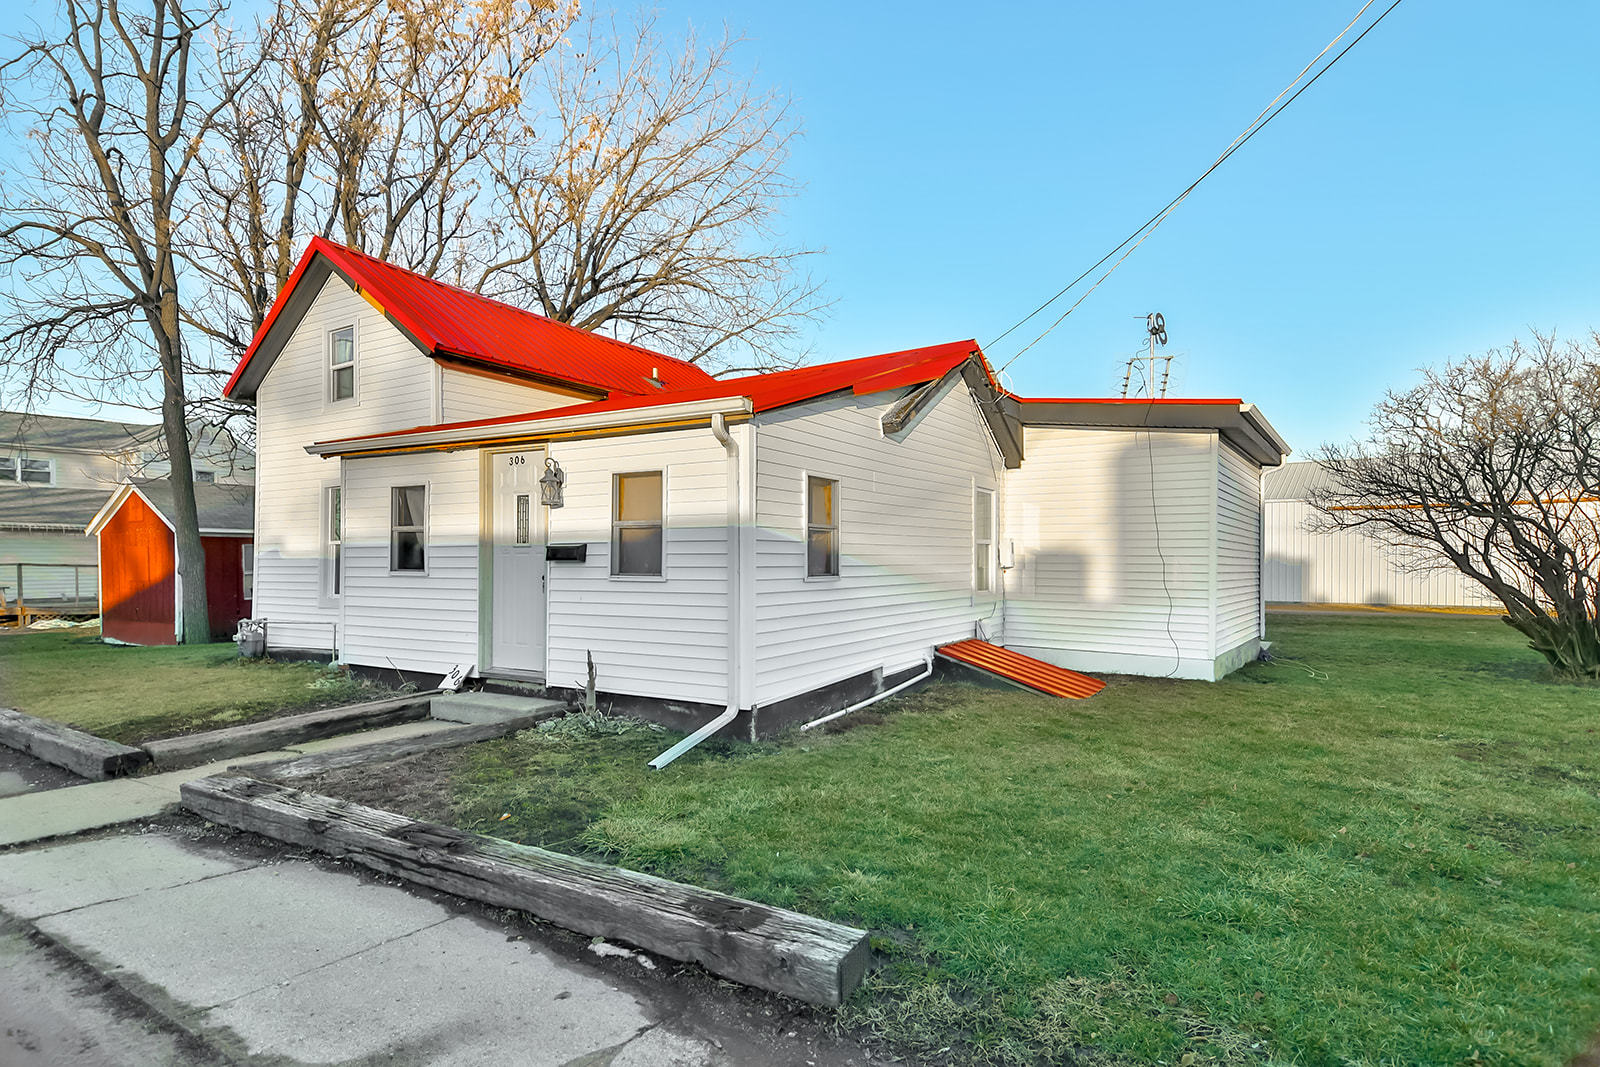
[
  {"x": 342, "y": 363},
  {"x": 247, "y": 564},
  {"x": 822, "y": 528},
  {"x": 335, "y": 539},
  {"x": 408, "y": 509},
  {"x": 8, "y": 468},
  {"x": 983, "y": 540},
  {"x": 38, "y": 471},
  {"x": 205, "y": 477},
  {"x": 636, "y": 523}
]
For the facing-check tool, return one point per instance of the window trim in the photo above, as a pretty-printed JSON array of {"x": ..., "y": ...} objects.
[
  {"x": 333, "y": 564},
  {"x": 427, "y": 511},
  {"x": 247, "y": 568},
  {"x": 990, "y": 544},
  {"x": 21, "y": 458},
  {"x": 617, "y": 525},
  {"x": 354, "y": 364},
  {"x": 837, "y": 526}
]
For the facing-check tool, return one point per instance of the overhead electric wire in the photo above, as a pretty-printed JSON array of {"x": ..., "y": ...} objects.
[{"x": 1138, "y": 236}]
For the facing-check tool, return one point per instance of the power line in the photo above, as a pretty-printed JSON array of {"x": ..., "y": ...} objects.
[{"x": 1138, "y": 236}]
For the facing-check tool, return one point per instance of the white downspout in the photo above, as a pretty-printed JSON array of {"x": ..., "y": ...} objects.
[
  {"x": 719, "y": 430},
  {"x": 927, "y": 670}
]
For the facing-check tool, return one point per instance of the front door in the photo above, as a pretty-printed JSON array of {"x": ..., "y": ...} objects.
[{"x": 516, "y": 630}]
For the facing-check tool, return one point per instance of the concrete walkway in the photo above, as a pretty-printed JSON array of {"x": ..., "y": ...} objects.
[
  {"x": 261, "y": 957},
  {"x": 36, "y": 816}
]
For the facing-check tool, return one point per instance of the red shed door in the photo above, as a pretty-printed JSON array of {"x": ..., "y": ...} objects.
[
  {"x": 137, "y": 567},
  {"x": 225, "y": 593}
]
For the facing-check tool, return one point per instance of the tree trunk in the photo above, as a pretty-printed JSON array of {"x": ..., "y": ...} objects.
[{"x": 194, "y": 625}]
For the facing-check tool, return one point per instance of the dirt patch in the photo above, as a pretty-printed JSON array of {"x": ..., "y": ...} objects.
[{"x": 416, "y": 786}]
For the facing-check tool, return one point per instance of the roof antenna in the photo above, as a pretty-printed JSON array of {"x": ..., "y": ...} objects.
[{"x": 1156, "y": 331}]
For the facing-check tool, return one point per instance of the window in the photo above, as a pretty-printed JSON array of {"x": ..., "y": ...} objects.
[
  {"x": 408, "y": 509},
  {"x": 205, "y": 477},
  {"x": 822, "y": 528},
  {"x": 247, "y": 563},
  {"x": 335, "y": 539},
  {"x": 342, "y": 363},
  {"x": 8, "y": 468},
  {"x": 983, "y": 540},
  {"x": 524, "y": 502},
  {"x": 38, "y": 471},
  {"x": 636, "y": 526}
]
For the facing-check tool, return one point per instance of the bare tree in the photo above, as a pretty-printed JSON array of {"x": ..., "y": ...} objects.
[
  {"x": 368, "y": 123},
  {"x": 1494, "y": 461},
  {"x": 644, "y": 201},
  {"x": 119, "y": 97}
]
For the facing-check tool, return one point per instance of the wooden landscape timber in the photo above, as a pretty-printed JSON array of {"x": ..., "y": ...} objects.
[
  {"x": 53, "y": 742},
  {"x": 783, "y": 951},
  {"x": 191, "y": 750},
  {"x": 397, "y": 748}
]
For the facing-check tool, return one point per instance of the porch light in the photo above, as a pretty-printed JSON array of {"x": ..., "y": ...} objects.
[{"x": 550, "y": 484}]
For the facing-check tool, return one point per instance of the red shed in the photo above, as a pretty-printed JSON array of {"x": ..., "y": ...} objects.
[{"x": 139, "y": 585}]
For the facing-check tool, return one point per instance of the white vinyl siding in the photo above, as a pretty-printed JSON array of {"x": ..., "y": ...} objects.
[
  {"x": 1307, "y": 565},
  {"x": 55, "y": 551},
  {"x": 466, "y": 396},
  {"x": 394, "y": 390},
  {"x": 905, "y": 538},
  {"x": 1093, "y": 587},
  {"x": 1238, "y": 549},
  {"x": 416, "y": 620},
  {"x": 665, "y": 638}
]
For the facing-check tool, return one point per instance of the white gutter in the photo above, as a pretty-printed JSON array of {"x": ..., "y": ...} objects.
[
  {"x": 886, "y": 694},
  {"x": 533, "y": 427},
  {"x": 719, "y": 430}
]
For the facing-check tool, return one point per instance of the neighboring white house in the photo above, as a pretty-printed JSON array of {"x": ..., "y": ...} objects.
[
  {"x": 1307, "y": 564},
  {"x": 446, "y": 480},
  {"x": 55, "y": 473}
]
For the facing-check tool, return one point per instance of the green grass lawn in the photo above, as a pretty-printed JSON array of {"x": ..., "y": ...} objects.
[
  {"x": 1383, "y": 851},
  {"x": 135, "y": 694}
]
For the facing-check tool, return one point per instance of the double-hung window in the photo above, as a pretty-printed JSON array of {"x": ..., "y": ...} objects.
[
  {"x": 822, "y": 528},
  {"x": 8, "y": 468},
  {"x": 637, "y": 530},
  {"x": 408, "y": 512},
  {"x": 335, "y": 540},
  {"x": 247, "y": 564},
  {"x": 983, "y": 540},
  {"x": 342, "y": 363},
  {"x": 36, "y": 471}
]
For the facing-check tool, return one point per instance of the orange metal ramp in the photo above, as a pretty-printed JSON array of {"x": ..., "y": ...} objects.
[{"x": 1023, "y": 670}]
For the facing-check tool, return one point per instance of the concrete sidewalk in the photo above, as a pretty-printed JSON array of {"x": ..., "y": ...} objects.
[
  {"x": 75, "y": 809},
  {"x": 289, "y": 961}
]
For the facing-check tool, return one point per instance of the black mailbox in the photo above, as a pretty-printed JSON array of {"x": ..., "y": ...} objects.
[{"x": 568, "y": 553}]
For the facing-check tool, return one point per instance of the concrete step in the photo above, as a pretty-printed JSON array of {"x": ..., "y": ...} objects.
[{"x": 482, "y": 708}]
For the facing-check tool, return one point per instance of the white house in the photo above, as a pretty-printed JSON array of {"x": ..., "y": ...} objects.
[
  {"x": 1310, "y": 564},
  {"x": 445, "y": 480}
]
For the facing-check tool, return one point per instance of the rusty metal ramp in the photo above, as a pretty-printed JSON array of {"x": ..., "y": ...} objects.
[{"x": 1023, "y": 670}]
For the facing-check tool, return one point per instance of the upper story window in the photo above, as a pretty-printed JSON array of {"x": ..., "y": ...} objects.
[
  {"x": 822, "y": 528},
  {"x": 205, "y": 477},
  {"x": 27, "y": 471},
  {"x": 342, "y": 363},
  {"x": 983, "y": 540},
  {"x": 637, "y": 532}
]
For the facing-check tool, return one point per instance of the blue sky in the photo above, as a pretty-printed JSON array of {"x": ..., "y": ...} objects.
[{"x": 1434, "y": 194}]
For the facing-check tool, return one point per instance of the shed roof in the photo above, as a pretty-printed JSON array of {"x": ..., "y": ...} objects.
[
  {"x": 1240, "y": 424},
  {"x": 1297, "y": 481},
  {"x": 222, "y": 508},
  {"x": 451, "y": 323},
  {"x": 69, "y": 433}
]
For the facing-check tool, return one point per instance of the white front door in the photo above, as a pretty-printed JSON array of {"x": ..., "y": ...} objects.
[{"x": 517, "y": 627}]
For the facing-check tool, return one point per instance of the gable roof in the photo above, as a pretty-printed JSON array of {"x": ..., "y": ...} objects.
[
  {"x": 222, "y": 508},
  {"x": 756, "y": 392},
  {"x": 63, "y": 433},
  {"x": 450, "y": 323}
]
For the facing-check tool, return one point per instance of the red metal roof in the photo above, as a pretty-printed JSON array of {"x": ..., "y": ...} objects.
[
  {"x": 776, "y": 389},
  {"x": 1024, "y": 670},
  {"x": 448, "y": 321}
]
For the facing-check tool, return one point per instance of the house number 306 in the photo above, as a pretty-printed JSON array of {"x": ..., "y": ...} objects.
[{"x": 517, "y": 461}]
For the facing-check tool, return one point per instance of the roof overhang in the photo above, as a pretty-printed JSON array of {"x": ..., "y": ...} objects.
[
  {"x": 112, "y": 506},
  {"x": 1240, "y": 424},
  {"x": 534, "y": 428}
]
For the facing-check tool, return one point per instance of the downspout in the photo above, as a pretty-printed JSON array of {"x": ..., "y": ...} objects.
[
  {"x": 719, "y": 430},
  {"x": 927, "y": 670}
]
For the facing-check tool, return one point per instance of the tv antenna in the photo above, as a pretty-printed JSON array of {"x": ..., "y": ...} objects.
[{"x": 1156, "y": 331}]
